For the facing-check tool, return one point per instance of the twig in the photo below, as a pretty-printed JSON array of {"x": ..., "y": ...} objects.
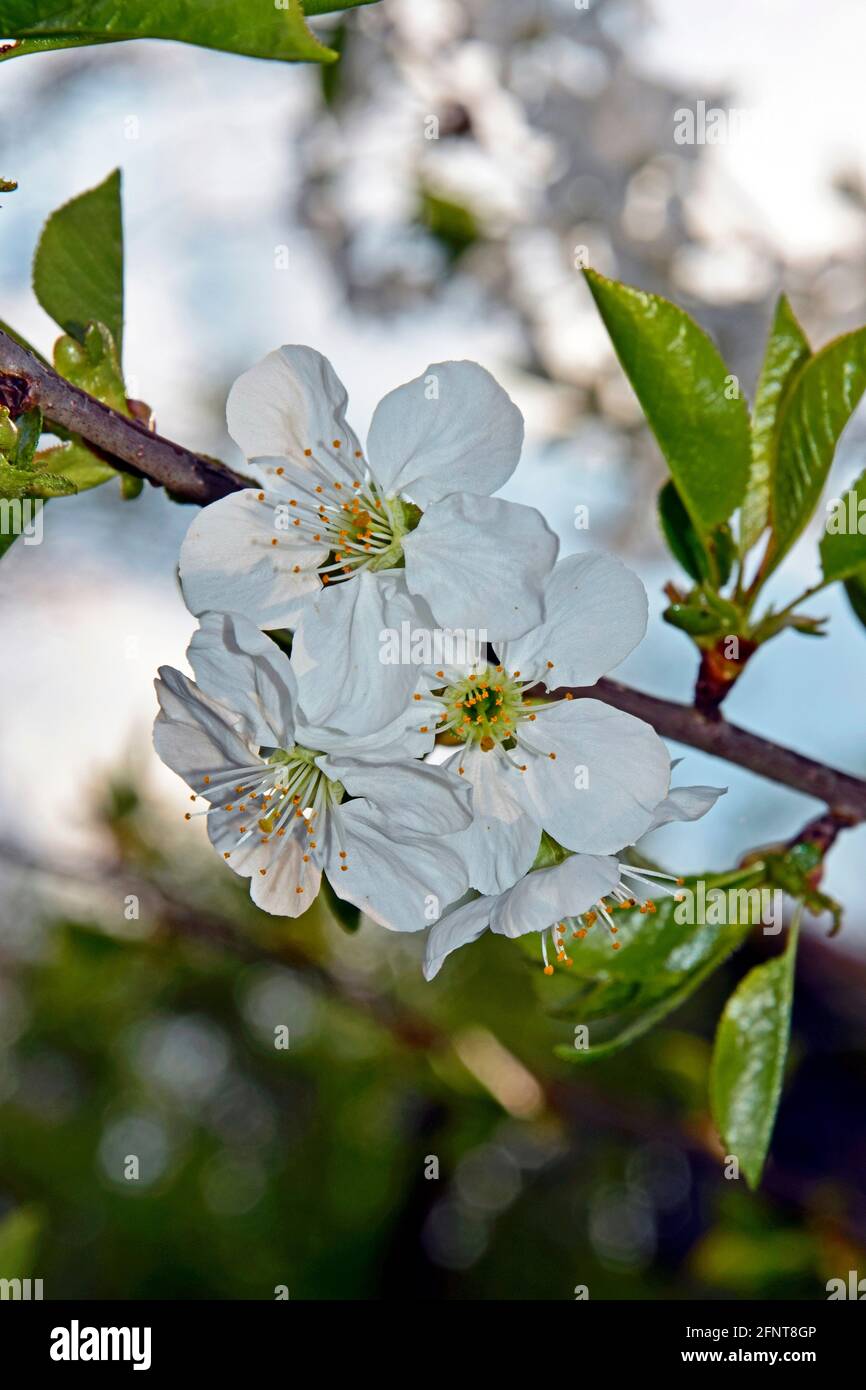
[
  {"x": 28, "y": 382},
  {"x": 843, "y": 794}
]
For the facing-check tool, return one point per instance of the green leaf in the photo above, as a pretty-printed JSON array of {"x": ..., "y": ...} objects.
[
  {"x": 452, "y": 224},
  {"x": 77, "y": 464},
  {"x": 817, "y": 407},
  {"x": 748, "y": 1064},
  {"x": 29, "y": 429},
  {"x": 855, "y": 588},
  {"x": 683, "y": 540},
  {"x": 787, "y": 350},
  {"x": 843, "y": 551},
  {"x": 684, "y": 389},
  {"x": 19, "y": 1238},
  {"x": 262, "y": 30},
  {"x": 661, "y": 961},
  {"x": 78, "y": 267}
]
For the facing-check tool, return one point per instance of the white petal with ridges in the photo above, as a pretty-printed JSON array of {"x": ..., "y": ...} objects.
[
  {"x": 229, "y": 564},
  {"x": 291, "y": 401},
  {"x": 481, "y": 563},
  {"x": 595, "y": 614},
  {"x": 452, "y": 429},
  {"x": 622, "y": 760}
]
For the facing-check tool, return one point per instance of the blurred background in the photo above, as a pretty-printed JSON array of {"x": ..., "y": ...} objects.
[{"x": 431, "y": 197}]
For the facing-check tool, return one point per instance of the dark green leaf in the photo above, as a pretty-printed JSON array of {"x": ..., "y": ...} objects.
[
  {"x": 748, "y": 1064},
  {"x": 78, "y": 267},
  {"x": 661, "y": 961},
  {"x": 855, "y": 588},
  {"x": 237, "y": 26},
  {"x": 816, "y": 409},
  {"x": 843, "y": 548},
  {"x": 685, "y": 391},
  {"x": 787, "y": 350},
  {"x": 683, "y": 540}
]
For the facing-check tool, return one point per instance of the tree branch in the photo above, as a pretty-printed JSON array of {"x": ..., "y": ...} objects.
[
  {"x": 843, "y": 794},
  {"x": 26, "y": 382}
]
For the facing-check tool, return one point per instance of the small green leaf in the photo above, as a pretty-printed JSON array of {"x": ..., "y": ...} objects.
[
  {"x": 816, "y": 409},
  {"x": 452, "y": 224},
  {"x": 29, "y": 429},
  {"x": 683, "y": 540},
  {"x": 855, "y": 588},
  {"x": 661, "y": 961},
  {"x": 787, "y": 350},
  {"x": 263, "y": 30},
  {"x": 843, "y": 548},
  {"x": 693, "y": 407},
  {"x": 748, "y": 1064},
  {"x": 76, "y": 463},
  {"x": 78, "y": 267}
]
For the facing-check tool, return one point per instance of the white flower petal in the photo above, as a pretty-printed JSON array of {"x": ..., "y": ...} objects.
[
  {"x": 276, "y": 890},
  {"x": 481, "y": 563},
  {"x": 193, "y": 734},
  {"x": 623, "y": 761},
  {"x": 290, "y": 401},
  {"x": 453, "y": 429},
  {"x": 457, "y": 928},
  {"x": 502, "y": 841},
  {"x": 236, "y": 664},
  {"x": 228, "y": 564},
  {"x": 685, "y": 803},
  {"x": 595, "y": 613},
  {"x": 547, "y": 895},
  {"x": 404, "y": 884},
  {"x": 411, "y": 798},
  {"x": 342, "y": 681}
]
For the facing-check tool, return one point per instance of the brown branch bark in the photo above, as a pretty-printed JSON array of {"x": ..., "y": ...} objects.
[
  {"x": 26, "y": 382},
  {"x": 844, "y": 795}
]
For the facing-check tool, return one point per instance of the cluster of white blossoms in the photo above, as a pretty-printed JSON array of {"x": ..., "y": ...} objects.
[{"x": 456, "y": 796}]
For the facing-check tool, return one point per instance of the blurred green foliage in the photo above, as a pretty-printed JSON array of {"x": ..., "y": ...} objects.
[{"x": 312, "y": 1167}]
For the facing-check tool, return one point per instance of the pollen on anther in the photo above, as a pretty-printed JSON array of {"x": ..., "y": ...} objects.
[
  {"x": 552, "y": 757},
  {"x": 206, "y": 780},
  {"x": 548, "y": 970},
  {"x": 550, "y": 665},
  {"x": 274, "y": 541},
  {"x": 187, "y": 815},
  {"x": 226, "y": 854},
  {"x": 299, "y": 889},
  {"x": 263, "y": 872},
  {"x": 261, "y": 496},
  {"x": 336, "y": 443}
]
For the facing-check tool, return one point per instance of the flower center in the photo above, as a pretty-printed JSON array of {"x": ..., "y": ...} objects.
[
  {"x": 340, "y": 506},
  {"x": 486, "y": 707}
]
